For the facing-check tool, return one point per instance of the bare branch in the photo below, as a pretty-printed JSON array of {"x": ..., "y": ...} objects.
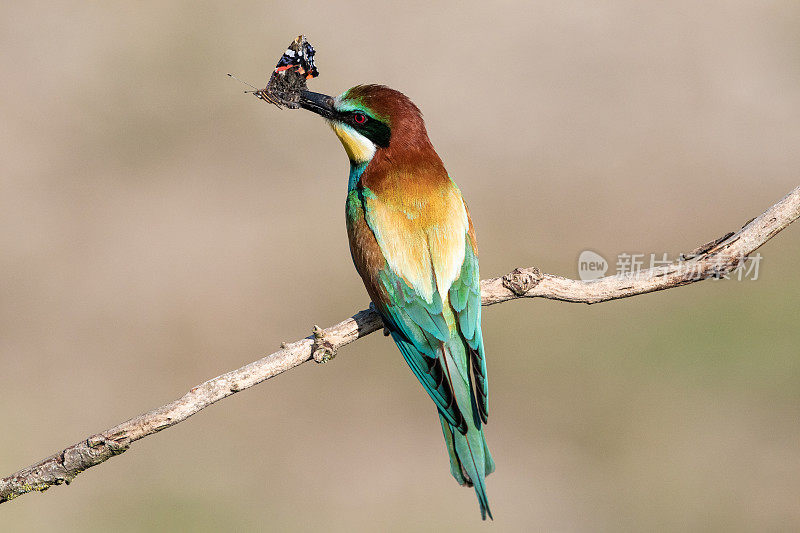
[
  {"x": 710, "y": 260},
  {"x": 713, "y": 259}
]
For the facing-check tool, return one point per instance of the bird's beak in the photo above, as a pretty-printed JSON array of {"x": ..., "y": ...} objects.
[{"x": 321, "y": 104}]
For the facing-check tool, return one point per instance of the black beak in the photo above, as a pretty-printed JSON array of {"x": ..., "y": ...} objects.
[{"x": 321, "y": 104}]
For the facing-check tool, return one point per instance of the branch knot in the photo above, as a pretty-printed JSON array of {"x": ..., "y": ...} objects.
[
  {"x": 114, "y": 447},
  {"x": 322, "y": 350},
  {"x": 521, "y": 280}
]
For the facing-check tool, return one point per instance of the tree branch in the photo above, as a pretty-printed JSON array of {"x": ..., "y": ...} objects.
[{"x": 714, "y": 259}]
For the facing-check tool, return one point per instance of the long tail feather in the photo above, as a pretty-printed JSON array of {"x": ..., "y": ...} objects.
[{"x": 470, "y": 461}]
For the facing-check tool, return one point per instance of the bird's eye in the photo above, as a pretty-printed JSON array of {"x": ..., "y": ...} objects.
[{"x": 359, "y": 118}]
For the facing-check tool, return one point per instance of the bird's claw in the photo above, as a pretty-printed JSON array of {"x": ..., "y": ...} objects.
[{"x": 386, "y": 330}]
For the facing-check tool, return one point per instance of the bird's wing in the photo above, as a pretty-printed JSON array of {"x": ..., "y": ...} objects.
[
  {"x": 418, "y": 328},
  {"x": 425, "y": 258},
  {"x": 465, "y": 298}
]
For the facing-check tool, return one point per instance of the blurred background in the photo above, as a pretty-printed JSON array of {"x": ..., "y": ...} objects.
[{"x": 158, "y": 228}]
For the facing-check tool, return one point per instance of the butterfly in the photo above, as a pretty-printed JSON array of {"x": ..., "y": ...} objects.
[
  {"x": 288, "y": 80},
  {"x": 300, "y": 54}
]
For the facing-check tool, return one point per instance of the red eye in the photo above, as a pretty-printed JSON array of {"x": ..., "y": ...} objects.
[{"x": 359, "y": 118}]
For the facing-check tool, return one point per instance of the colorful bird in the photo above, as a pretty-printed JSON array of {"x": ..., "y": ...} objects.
[{"x": 412, "y": 242}]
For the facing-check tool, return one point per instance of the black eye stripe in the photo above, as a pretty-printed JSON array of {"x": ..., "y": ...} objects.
[{"x": 371, "y": 128}]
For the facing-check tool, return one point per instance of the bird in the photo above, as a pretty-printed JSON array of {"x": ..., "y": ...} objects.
[{"x": 413, "y": 244}]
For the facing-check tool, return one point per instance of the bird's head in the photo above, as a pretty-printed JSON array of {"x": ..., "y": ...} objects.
[{"x": 370, "y": 118}]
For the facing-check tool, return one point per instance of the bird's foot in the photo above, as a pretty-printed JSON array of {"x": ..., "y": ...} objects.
[
  {"x": 386, "y": 330},
  {"x": 322, "y": 350}
]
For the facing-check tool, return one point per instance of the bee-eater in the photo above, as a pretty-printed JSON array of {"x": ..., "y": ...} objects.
[{"x": 412, "y": 242}]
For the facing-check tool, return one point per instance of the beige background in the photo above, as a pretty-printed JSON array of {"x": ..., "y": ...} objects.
[{"x": 158, "y": 228}]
